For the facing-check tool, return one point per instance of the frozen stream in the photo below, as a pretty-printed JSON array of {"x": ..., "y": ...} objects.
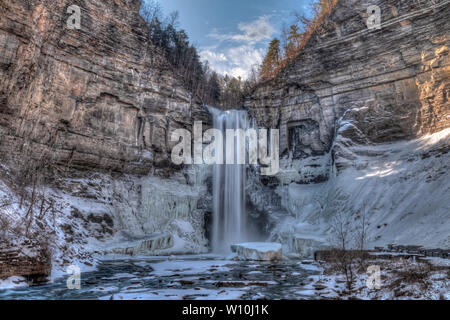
[{"x": 187, "y": 277}]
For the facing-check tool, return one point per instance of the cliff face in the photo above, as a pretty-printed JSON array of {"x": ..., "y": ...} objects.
[
  {"x": 99, "y": 97},
  {"x": 363, "y": 114},
  {"x": 364, "y": 119},
  {"x": 96, "y": 100},
  {"x": 392, "y": 83}
]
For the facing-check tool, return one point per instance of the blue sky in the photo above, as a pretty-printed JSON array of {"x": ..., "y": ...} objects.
[{"x": 233, "y": 35}]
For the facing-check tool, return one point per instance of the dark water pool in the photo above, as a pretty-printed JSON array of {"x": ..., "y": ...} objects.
[{"x": 190, "y": 278}]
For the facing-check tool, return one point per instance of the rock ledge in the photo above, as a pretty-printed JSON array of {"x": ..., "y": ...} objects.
[{"x": 261, "y": 251}]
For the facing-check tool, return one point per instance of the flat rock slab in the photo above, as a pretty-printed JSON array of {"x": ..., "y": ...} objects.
[
  {"x": 306, "y": 247},
  {"x": 146, "y": 246},
  {"x": 259, "y": 251}
]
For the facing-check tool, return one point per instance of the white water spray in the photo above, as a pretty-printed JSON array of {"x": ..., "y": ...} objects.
[{"x": 229, "y": 216}]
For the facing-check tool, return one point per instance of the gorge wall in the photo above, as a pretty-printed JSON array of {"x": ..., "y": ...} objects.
[
  {"x": 392, "y": 82},
  {"x": 98, "y": 104},
  {"x": 364, "y": 119},
  {"x": 98, "y": 97}
]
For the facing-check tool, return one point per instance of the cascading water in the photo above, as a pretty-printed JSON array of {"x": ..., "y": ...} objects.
[{"x": 229, "y": 216}]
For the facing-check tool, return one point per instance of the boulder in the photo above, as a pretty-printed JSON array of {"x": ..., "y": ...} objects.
[
  {"x": 306, "y": 247},
  {"x": 28, "y": 258},
  {"x": 260, "y": 251}
]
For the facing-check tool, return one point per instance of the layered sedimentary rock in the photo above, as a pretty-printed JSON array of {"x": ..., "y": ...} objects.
[
  {"x": 391, "y": 82},
  {"x": 148, "y": 246},
  {"x": 259, "y": 251},
  {"x": 25, "y": 258},
  {"x": 93, "y": 101},
  {"x": 97, "y": 97},
  {"x": 364, "y": 118}
]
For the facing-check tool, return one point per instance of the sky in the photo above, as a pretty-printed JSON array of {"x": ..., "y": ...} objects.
[{"x": 233, "y": 35}]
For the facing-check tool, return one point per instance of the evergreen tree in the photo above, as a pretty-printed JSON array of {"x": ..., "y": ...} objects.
[
  {"x": 272, "y": 59},
  {"x": 183, "y": 57},
  {"x": 292, "y": 40},
  {"x": 214, "y": 89}
]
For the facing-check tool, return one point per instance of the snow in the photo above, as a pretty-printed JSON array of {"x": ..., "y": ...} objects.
[
  {"x": 142, "y": 264},
  {"x": 438, "y": 261},
  {"x": 185, "y": 226},
  {"x": 394, "y": 286},
  {"x": 254, "y": 272},
  {"x": 308, "y": 292},
  {"x": 13, "y": 283},
  {"x": 111, "y": 289},
  {"x": 61, "y": 271},
  {"x": 263, "y": 251},
  {"x": 170, "y": 206},
  {"x": 139, "y": 206},
  {"x": 261, "y": 246},
  {"x": 310, "y": 267},
  {"x": 178, "y": 294},
  {"x": 171, "y": 267},
  {"x": 404, "y": 187},
  {"x": 122, "y": 276}
]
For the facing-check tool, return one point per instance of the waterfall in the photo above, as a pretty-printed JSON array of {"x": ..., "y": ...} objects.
[{"x": 229, "y": 216}]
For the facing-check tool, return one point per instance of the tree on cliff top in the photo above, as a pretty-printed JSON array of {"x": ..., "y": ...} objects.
[
  {"x": 272, "y": 59},
  {"x": 293, "y": 40},
  {"x": 213, "y": 91},
  {"x": 231, "y": 92},
  {"x": 183, "y": 57},
  {"x": 174, "y": 44}
]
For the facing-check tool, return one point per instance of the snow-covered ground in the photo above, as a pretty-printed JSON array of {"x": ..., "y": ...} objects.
[
  {"x": 178, "y": 277},
  {"x": 96, "y": 213},
  {"x": 178, "y": 294},
  {"x": 400, "y": 279},
  {"x": 13, "y": 283},
  {"x": 402, "y": 187},
  {"x": 215, "y": 277}
]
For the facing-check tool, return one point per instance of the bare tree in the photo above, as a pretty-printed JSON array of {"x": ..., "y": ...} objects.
[
  {"x": 5, "y": 225},
  {"x": 341, "y": 239},
  {"x": 361, "y": 232},
  {"x": 349, "y": 235}
]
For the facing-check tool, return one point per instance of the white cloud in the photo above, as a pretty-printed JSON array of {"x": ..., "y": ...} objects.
[
  {"x": 234, "y": 61},
  {"x": 238, "y": 59},
  {"x": 252, "y": 32},
  {"x": 211, "y": 56},
  {"x": 239, "y": 72}
]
